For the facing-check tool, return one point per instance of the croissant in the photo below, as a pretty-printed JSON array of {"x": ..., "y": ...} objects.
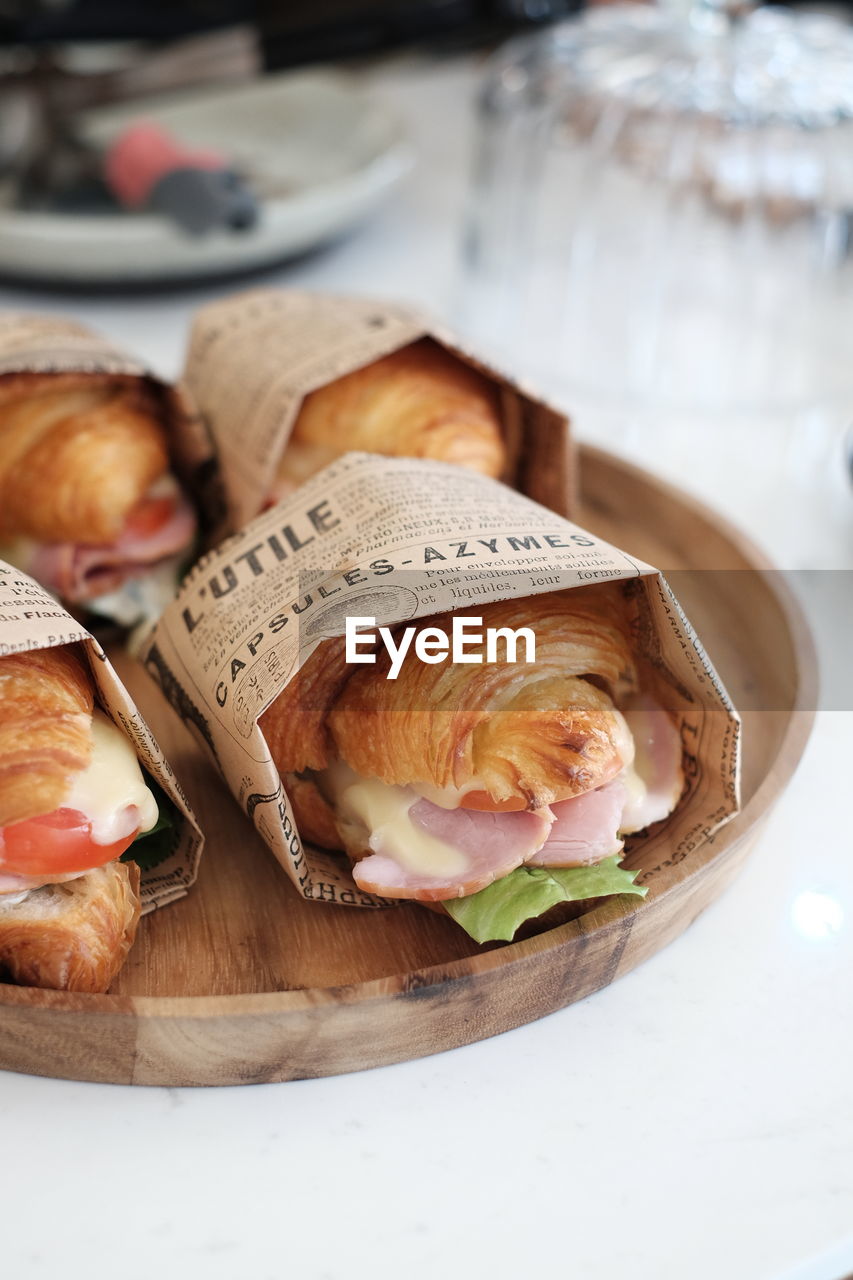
[
  {"x": 73, "y": 936},
  {"x": 77, "y": 453},
  {"x": 68, "y": 910},
  {"x": 87, "y": 500},
  {"x": 45, "y": 730},
  {"x": 550, "y": 737},
  {"x": 553, "y": 736},
  {"x": 449, "y": 776},
  {"x": 418, "y": 402}
]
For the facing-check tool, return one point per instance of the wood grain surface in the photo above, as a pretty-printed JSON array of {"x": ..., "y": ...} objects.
[{"x": 244, "y": 981}]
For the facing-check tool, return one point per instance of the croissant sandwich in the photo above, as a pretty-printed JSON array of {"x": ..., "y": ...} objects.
[
  {"x": 72, "y": 801},
  {"x": 418, "y": 402},
  {"x": 495, "y": 789},
  {"x": 88, "y": 504}
]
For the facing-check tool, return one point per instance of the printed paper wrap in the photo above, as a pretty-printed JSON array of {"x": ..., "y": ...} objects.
[
  {"x": 32, "y": 619},
  {"x": 401, "y": 539},
  {"x": 253, "y": 358}
]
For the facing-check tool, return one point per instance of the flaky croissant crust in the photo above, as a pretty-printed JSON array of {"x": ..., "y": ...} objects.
[
  {"x": 537, "y": 733},
  {"x": 295, "y": 725},
  {"x": 77, "y": 453},
  {"x": 45, "y": 730},
  {"x": 418, "y": 402},
  {"x": 72, "y": 936}
]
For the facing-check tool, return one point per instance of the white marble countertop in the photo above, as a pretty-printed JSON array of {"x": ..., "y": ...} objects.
[{"x": 695, "y": 1119}]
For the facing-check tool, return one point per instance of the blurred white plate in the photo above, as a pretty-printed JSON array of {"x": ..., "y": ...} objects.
[{"x": 319, "y": 153}]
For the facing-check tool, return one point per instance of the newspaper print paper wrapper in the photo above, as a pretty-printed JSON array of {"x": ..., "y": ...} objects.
[
  {"x": 48, "y": 344},
  {"x": 400, "y": 539},
  {"x": 254, "y": 357},
  {"x": 32, "y": 619}
]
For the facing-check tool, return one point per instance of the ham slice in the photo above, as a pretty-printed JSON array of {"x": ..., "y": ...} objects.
[
  {"x": 585, "y": 828},
  {"x": 489, "y": 845},
  {"x": 78, "y": 572},
  {"x": 657, "y": 779}
]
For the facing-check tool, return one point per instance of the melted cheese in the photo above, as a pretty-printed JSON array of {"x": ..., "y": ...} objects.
[
  {"x": 625, "y": 744},
  {"x": 384, "y": 811},
  {"x": 111, "y": 791}
]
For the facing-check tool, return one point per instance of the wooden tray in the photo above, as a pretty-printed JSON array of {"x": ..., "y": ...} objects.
[{"x": 243, "y": 981}]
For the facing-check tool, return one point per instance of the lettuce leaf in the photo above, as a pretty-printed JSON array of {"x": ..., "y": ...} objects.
[
  {"x": 154, "y": 846},
  {"x": 496, "y": 912}
]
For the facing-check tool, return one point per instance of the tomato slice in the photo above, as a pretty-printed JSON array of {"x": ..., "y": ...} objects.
[
  {"x": 482, "y": 801},
  {"x": 55, "y": 843},
  {"x": 149, "y": 515}
]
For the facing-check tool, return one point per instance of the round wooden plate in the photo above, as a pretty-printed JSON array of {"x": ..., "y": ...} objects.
[{"x": 244, "y": 981}]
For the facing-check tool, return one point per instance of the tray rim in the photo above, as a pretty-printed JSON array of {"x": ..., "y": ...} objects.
[{"x": 722, "y": 846}]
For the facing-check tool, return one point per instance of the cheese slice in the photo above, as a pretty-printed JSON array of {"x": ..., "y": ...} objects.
[
  {"x": 112, "y": 791},
  {"x": 384, "y": 811}
]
